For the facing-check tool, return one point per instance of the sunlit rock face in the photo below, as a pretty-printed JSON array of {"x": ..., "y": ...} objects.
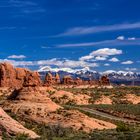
[{"x": 17, "y": 77}]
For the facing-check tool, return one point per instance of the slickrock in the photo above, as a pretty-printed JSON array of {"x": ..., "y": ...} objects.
[
  {"x": 74, "y": 119},
  {"x": 134, "y": 99},
  {"x": 63, "y": 97},
  {"x": 38, "y": 107},
  {"x": 30, "y": 100},
  {"x": 104, "y": 100},
  {"x": 13, "y": 127}
]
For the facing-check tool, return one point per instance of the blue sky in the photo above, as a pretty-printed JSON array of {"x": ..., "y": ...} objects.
[{"x": 99, "y": 34}]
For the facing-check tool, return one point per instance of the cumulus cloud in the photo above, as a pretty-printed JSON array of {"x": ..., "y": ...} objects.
[
  {"x": 100, "y": 58},
  {"x": 106, "y": 52},
  {"x": 87, "y": 57},
  {"x": 17, "y": 56},
  {"x": 101, "y": 54},
  {"x": 63, "y": 63},
  {"x": 127, "y": 62},
  {"x": 114, "y": 59},
  {"x": 120, "y": 37}
]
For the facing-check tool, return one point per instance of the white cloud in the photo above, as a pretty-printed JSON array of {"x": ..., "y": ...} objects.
[
  {"x": 114, "y": 59},
  {"x": 87, "y": 57},
  {"x": 101, "y": 54},
  {"x": 109, "y": 71},
  {"x": 106, "y": 52},
  {"x": 120, "y": 37},
  {"x": 106, "y": 64},
  {"x": 100, "y": 58},
  {"x": 17, "y": 56},
  {"x": 108, "y": 43},
  {"x": 63, "y": 63},
  {"x": 97, "y": 29},
  {"x": 131, "y": 38},
  {"x": 127, "y": 62},
  {"x": 18, "y": 63},
  {"x": 76, "y": 64}
]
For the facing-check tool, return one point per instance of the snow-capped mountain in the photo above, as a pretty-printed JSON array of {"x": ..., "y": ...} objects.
[
  {"x": 123, "y": 75},
  {"x": 86, "y": 74}
]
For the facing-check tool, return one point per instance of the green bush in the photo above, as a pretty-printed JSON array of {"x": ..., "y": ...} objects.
[{"x": 121, "y": 127}]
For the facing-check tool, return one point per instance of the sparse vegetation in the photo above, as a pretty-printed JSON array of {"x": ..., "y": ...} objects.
[
  {"x": 57, "y": 132},
  {"x": 51, "y": 92},
  {"x": 122, "y": 110},
  {"x": 122, "y": 127}
]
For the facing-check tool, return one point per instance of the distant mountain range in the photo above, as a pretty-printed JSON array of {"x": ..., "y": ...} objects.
[{"x": 117, "y": 77}]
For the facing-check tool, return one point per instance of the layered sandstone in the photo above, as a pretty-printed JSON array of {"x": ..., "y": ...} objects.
[{"x": 17, "y": 77}]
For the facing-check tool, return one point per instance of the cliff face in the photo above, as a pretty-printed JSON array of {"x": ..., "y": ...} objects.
[{"x": 17, "y": 77}]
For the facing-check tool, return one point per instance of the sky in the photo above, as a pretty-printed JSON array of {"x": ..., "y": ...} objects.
[{"x": 100, "y": 35}]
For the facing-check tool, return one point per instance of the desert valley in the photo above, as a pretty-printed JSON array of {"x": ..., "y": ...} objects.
[
  {"x": 65, "y": 109},
  {"x": 69, "y": 70}
]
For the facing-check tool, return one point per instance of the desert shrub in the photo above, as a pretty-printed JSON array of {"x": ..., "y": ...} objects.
[
  {"x": 22, "y": 137},
  {"x": 71, "y": 102},
  {"x": 6, "y": 136},
  {"x": 51, "y": 92},
  {"x": 121, "y": 127}
]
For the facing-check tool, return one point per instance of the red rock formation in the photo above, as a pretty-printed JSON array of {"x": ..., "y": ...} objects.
[
  {"x": 67, "y": 80},
  {"x": 31, "y": 79},
  {"x": 93, "y": 82},
  {"x": 48, "y": 79},
  {"x": 78, "y": 81},
  {"x": 17, "y": 77},
  {"x": 13, "y": 127},
  {"x": 104, "y": 80},
  {"x": 57, "y": 78}
]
